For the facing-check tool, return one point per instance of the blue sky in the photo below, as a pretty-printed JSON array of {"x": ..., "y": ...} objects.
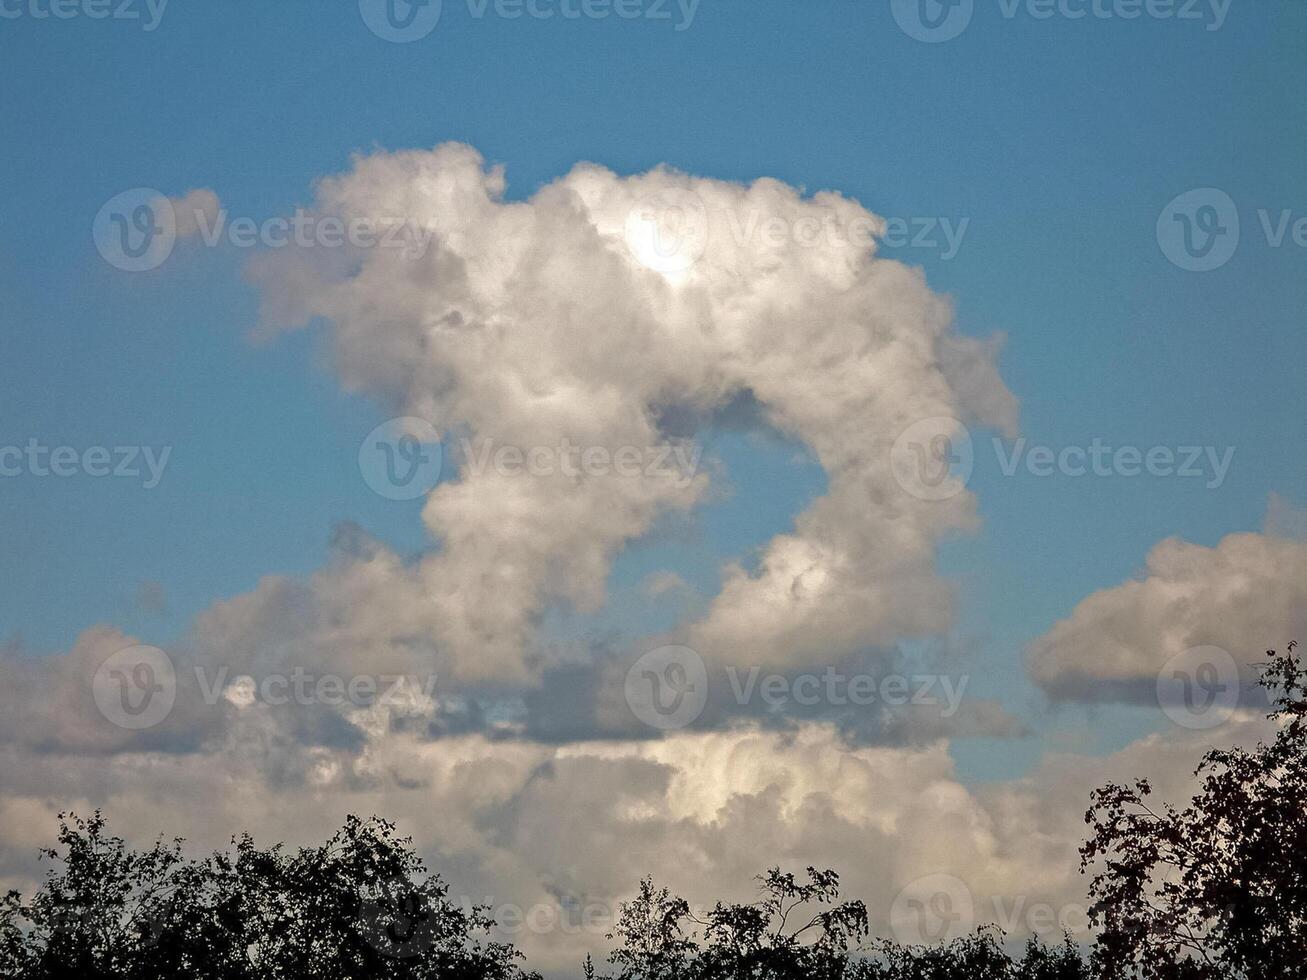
[{"x": 1059, "y": 141}]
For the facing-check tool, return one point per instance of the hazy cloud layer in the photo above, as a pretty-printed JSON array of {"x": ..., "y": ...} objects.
[{"x": 554, "y": 830}]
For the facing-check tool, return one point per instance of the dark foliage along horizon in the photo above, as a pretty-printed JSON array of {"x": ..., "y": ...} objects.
[{"x": 1214, "y": 891}]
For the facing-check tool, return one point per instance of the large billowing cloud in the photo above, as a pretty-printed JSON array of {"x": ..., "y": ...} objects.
[
  {"x": 570, "y": 317},
  {"x": 1246, "y": 595}
]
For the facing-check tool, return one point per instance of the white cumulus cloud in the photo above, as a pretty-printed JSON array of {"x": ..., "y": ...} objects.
[{"x": 533, "y": 322}]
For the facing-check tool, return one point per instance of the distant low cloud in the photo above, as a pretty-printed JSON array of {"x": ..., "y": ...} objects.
[
  {"x": 48, "y": 703},
  {"x": 664, "y": 583},
  {"x": 1246, "y": 595}
]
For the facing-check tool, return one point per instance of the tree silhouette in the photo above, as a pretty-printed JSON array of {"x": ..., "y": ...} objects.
[
  {"x": 795, "y": 929},
  {"x": 359, "y": 906},
  {"x": 981, "y": 956},
  {"x": 653, "y": 930},
  {"x": 799, "y": 931},
  {"x": 1218, "y": 889}
]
